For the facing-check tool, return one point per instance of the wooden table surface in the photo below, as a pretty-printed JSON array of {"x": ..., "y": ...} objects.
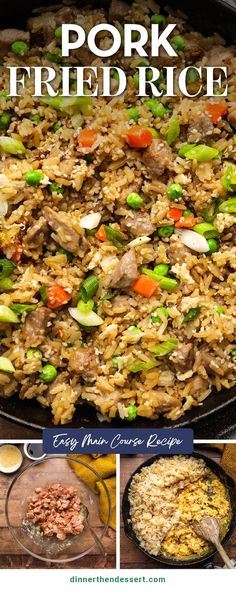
[
  {"x": 12, "y": 431},
  {"x": 11, "y": 554},
  {"x": 130, "y": 556}
]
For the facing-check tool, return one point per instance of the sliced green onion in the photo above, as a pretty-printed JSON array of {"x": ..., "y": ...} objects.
[
  {"x": 116, "y": 362},
  {"x": 114, "y": 236},
  {"x": 166, "y": 283},
  {"x": 185, "y": 148},
  {"x": 132, "y": 412},
  {"x": 210, "y": 212},
  {"x": 219, "y": 309},
  {"x": 229, "y": 178},
  {"x": 164, "y": 348},
  {"x": 173, "y": 130},
  {"x": 5, "y": 120},
  {"x": 6, "y": 284},
  {"x": 58, "y": 32},
  {"x": 34, "y": 353},
  {"x": 213, "y": 246},
  {"x": 68, "y": 255},
  {"x": 233, "y": 352},
  {"x": 202, "y": 153},
  {"x": 156, "y": 318},
  {"x": 153, "y": 131},
  {"x": 109, "y": 295},
  {"x": 89, "y": 287},
  {"x": 43, "y": 294},
  {"x": 35, "y": 118},
  {"x": 12, "y": 146},
  {"x": 22, "y": 308},
  {"x": 228, "y": 206},
  {"x": 192, "y": 315},
  {"x": 63, "y": 103},
  {"x": 6, "y": 268},
  {"x": 138, "y": 366},
  {"x": 6, "y": 365},
  {"x": 84, "y": 315},
  {"x": 161, "y": 269},
  {"x": 7, "y": 315},
  {"x": 207, "y": 230}
]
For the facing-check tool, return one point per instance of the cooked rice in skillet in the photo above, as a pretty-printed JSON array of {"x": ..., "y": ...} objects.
[{"x": 98, "y": 179}]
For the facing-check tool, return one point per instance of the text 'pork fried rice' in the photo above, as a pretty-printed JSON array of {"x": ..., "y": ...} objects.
[{"x": 118, "y": 230}]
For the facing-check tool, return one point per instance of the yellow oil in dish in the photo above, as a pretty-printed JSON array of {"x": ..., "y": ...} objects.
[{"x": 9, "y": 456}]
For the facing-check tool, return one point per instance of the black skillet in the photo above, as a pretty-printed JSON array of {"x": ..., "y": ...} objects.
[
  {"x": 207, "y": 16},
  {"x": 197, "y": 562}
]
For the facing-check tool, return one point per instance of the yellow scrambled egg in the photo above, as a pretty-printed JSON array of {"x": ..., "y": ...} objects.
[{"x": 209, "y": 497}]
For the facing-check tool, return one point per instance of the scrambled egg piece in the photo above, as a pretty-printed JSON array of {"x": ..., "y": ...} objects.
[{"x": 206, "y": 497}]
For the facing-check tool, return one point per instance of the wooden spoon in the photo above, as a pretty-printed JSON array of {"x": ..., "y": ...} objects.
[{"x": 208, "y": 528}]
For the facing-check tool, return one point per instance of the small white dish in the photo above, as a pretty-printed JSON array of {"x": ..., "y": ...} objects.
[
  {"x": 30, "y": 455},
  {"x": 17, "y": 464}
]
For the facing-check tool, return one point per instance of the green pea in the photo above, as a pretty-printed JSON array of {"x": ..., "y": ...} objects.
[
  {"x": 132, "y": 412},
  {"x": 133, "y": 114},
  {"x": 54, "y": 57},
  {"x": 175, "y": 192},
  {"x": 213, "y": 246},
  {"x": 34, "y": 177},
  {"x": 68, "y": 255},
  {"x": 34, "y": 353},
  {"x": 20, "y": 48},
  {"x": 165, "y": 231},
  {"x": 157, "y": 108},
  {"x": 134, "y": 200},
  {"x": 187, "y": 212},
  {"x": 144, "y": 63},
  {"x": 48, "y": 374},
  {"x": 136, "y": 79},
  {"x": 135, "y": 35},
  {"x": 178, "y": 41},
  {"x": 161, "y": 269},
  {"x": 116, "y": 362},
  {"x": 35, "y": 118},
  {"x": 233, "y": 352},
  {"x": 58, "y": 32},
  {"x": 56, "y": 188},
  {"x": 158, "y": 19},
  {"x": 191, "y": 76},
  {"x": 5, "y": 120},
  {"x": 6, "y": 284}
]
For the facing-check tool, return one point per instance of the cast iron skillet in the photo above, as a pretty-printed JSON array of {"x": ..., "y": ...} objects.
[
  {"x": 170, "y": 562},
  {"x": 207, "y": 16}
]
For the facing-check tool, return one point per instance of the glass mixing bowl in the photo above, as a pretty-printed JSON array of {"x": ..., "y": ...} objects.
[{"x": 41, "y": 474}]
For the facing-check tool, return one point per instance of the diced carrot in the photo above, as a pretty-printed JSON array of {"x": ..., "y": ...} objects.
[
  {"x": 17, "y": 251},
  {"x": 87, "y": 137},
  {"x": 216, "y": 110},
  {"x": 138, "y": 137},
  {"x": 188, "y": 221},
  {"x": 101, "y": 234},
  {"x": 57, "y": 296},
  {"x": 175, "y": 213},
  {"x": 145, "y": 286}
]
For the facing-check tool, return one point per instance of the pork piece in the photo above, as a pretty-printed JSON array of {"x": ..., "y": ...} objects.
[
  {"x": 232, "y": 117},
  {"x": 157, "y": 157},
  {"x": 65, "y": 234},
  {"x": 34, "y": 329},
  {"x": 198, "y": 386},
  {"x": 46, "y": 23},
  {"x": 36, "y": 234},
  {"x": 126, "y": 272},
  {"x": 183, "y": 357},
  {"x": 193, "y": 52},
  {"x": 217, "y": 56},
  {"x": 83, "y": 55},
  {"x": 83, "y": 361},
  {"x": 138, "y": 224},
  {"x": 117, "y": 10},
  {"x": 9, "y": 36},
  {"x": 213, "y": 364},
  {"x": 163, "y": 401},
  {"x": 200, "y": 128}
]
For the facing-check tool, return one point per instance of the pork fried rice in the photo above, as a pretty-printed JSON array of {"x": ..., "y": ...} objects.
[{"x": 128, "y": 216}]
